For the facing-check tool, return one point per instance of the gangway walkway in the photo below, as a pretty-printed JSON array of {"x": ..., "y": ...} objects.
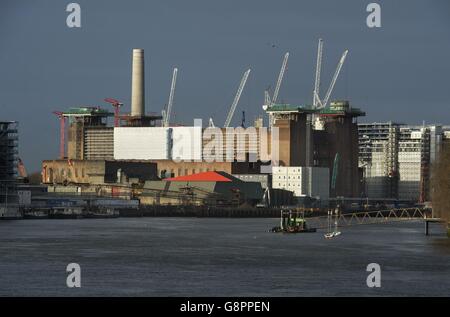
[{"x": 371, "y": 217}]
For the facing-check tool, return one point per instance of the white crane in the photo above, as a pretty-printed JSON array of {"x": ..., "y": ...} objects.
[
  {"x": 170, "y": 103},
  {"x": 280, "y": 77},
  {"x": 163, "y": 115},
  {"x": 236, "y": 98},
  {"x": 333, "y": 81},
  {"x": 318, "y": 102},
  {"x": 267, "y": 101},
  {"x": 318, "y": 71}
]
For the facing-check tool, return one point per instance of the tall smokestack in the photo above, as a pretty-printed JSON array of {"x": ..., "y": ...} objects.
[{"x": 137, "y": 84}]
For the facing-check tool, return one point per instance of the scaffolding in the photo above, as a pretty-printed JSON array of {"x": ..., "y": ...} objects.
[{"x": 8, "y": 161}]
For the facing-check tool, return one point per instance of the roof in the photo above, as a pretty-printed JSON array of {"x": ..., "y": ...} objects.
[
  {"x": 290, "y": 108},
  {"x": 353, "y": 112},
  {"x": 201, "y": 177},
  {"x": 87, "y": 111},
  {"x": 336, "y": 108}
]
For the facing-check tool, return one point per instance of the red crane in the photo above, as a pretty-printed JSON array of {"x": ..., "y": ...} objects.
[
  {"x": 116, "y": 104},
  {"x": 21, "y": 169},
  {"x": 62, "y": 132}
]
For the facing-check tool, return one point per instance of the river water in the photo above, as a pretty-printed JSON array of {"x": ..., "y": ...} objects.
[{"x": 218, "y": 257}]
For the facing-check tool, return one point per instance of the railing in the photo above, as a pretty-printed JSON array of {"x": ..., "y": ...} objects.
[{"x": 370, "y": 217}]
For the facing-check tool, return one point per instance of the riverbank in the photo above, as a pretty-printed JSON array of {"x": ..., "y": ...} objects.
[{"x": 157, "y": 211}]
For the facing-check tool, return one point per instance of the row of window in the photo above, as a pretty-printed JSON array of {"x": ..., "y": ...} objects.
[
  {"x": 68, "y": 172},
  {"x": 289, "y": 177},
  {"x": 186, "y": 171}
]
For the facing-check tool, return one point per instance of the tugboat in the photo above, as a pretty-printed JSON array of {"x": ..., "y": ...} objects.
[{"x": 292, "y": 222}]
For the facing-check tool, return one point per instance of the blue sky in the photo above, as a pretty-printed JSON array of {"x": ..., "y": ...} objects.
[{"x": 398, "y": 72}]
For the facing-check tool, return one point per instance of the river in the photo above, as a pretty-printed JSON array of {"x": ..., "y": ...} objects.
[{"x": 218, "y": 257}]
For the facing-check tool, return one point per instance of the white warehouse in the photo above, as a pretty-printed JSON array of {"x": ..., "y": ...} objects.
[{"x": 158, "y": 143}]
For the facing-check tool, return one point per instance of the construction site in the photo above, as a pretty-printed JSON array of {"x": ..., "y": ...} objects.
[{"x": 311, "y": 155}]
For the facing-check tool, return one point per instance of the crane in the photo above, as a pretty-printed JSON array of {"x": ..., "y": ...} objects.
[
  {"x": 267, "y": 101},
  {"x": 318, "y": 71},
  {"x": 163, "y": 115},
  {"x": 62, "y": 131},
  {"x": 333, "y": 81},
  {"x": 318, "y": 102},
  {"x": 170, "y": 103},
  {"x": 243, "y": 119},
  {"x": 236, "y": 98},
  {"x": 21, "y": 169},
  {"x": 116, "y": 104},
  {"x": 280, "y": 77}
]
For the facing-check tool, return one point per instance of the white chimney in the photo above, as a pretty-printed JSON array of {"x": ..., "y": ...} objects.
[{"x": 137, "y": 84}]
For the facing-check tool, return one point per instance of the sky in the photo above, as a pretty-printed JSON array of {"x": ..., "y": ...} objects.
[{"x": 398, "y": 72}]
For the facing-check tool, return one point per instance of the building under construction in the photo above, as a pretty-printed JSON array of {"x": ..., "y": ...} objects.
[
  {"x": 306, "y": 136},
  {"x": 315, "y": 144},
  {"x": 396, "y": 159},
  {"x": 8, "y": 169}
]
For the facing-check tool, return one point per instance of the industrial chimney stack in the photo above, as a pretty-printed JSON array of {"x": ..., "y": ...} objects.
[{"x": 137, "y": 84}]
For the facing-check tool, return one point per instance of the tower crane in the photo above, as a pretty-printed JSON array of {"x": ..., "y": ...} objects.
[
  {"x": 280, "y": 77},
  {"x": 318, "y": 102},
  {"x": 116, "y": 104},
  {"x": 333, "y": 81},
  {"x": 243, "y": 119},
  {"x": 21, "y": 169},
  {"x": 236, "y": 98},
  {"x": 318, "y": 72},
  {"x": 267, "y": 101},
  {"x": 170, "y": 103},
  {"x": 163, "y": 115}
]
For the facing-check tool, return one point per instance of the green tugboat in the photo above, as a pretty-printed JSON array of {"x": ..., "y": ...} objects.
[{"x": 292, "y": 222}]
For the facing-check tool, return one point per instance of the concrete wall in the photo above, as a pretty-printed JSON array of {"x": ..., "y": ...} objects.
[
  {"x": 340, "y": 136},
  {"x": 141, "y": 143},
  {"x": 175, "y": 169},
  {"x": 75, "y": 140},
  {"x": 94, "y": 171},
  {"x": 76, "y": 171},
  {"x": 292, "y": 140}
]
